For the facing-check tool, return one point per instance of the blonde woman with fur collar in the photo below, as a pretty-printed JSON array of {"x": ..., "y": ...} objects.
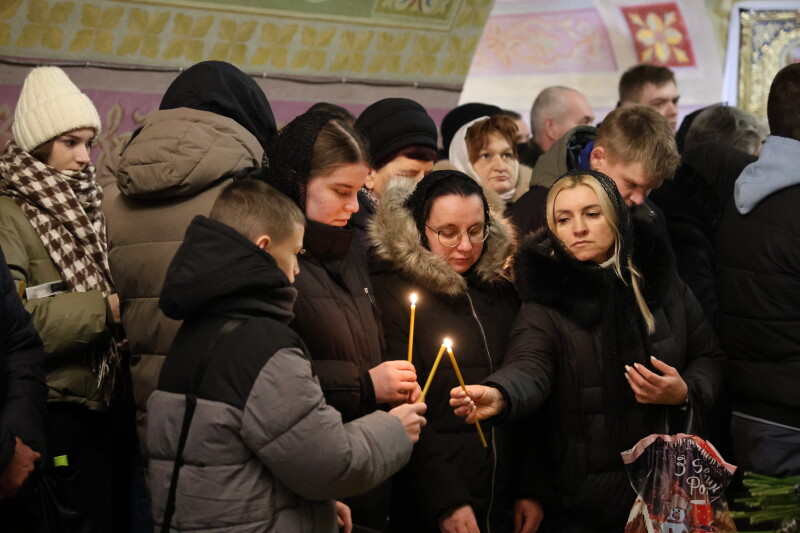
[{"x": 442, "y": 241}]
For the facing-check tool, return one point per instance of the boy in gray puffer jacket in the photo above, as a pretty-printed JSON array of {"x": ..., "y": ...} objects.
[{"x": 264, "y": 452}]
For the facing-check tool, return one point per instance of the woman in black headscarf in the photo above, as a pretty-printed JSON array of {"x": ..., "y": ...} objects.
[
  {"x": 610, "y": 343},
  {"x": 214, "y": 121},
  {"x": 321, "y": 163},
  {"x": 440, "y": 240}
]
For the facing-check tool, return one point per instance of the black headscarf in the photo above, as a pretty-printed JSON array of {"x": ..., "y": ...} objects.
[
  {"x": 622, "y": 344},
  {"x": 221, "y": 88},
  {"x": 440, "y": 183},
  {"x": 287, "y": 159}
]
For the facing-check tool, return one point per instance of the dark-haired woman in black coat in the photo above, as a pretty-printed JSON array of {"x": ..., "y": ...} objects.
[{"x": 441, "y": 241}]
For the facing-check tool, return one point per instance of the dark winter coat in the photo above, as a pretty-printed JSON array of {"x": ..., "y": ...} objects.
[
  {"x": 23, "y": 392},
  {"x": 692, "y": 204},
  {"x": 554, "y": 363},
  {"x": 449, "y": 467},
  {"x": 758, "y": 254},
  {"x": 265, "y": 453},
  {"x": 337, "y": 317}
]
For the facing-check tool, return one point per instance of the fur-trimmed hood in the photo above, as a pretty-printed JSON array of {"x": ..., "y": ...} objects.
[
  {"x": 396, "y": 240},
  {"x": 546, "y": 273}
]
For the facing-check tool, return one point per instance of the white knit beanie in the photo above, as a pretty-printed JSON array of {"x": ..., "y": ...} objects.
[{"x": 50, "y": 104}]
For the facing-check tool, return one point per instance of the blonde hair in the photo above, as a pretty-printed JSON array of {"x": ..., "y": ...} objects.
[
  {"x": 610, "y": 214},
  {"x": 638, "y": 134}
]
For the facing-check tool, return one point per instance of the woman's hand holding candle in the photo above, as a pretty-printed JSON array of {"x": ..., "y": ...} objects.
[{"x": 478, "y": 403}]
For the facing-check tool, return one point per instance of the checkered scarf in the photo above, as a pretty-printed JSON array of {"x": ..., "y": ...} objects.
[{"x": 64, "y": 209}]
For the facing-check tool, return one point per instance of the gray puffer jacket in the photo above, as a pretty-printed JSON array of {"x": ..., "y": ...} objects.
[{"x": 264, "y": 453}]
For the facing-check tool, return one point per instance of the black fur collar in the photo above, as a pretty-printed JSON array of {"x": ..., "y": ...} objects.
[{"x": 549, "y": 275}]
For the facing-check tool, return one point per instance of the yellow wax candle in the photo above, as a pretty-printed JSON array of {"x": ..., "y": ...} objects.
[
  {"x": 464, "y": 388},
  {"x": 411, "y": 326},
  {"x": 433, "y": 371}
]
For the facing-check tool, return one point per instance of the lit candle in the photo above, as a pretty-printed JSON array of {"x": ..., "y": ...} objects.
[
  {"x": 411, "y": 326},
  {"x": 463, "y": 387},
  {"x": 433, "y": 371}
]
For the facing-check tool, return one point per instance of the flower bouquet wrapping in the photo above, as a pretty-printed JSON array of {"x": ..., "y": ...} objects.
[{"x": 679, "y": 481}]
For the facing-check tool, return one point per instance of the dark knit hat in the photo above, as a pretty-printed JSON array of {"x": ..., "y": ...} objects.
[
  {"x": 441, "y": 183},
  {"x": 461, "y": 115},
  {"x": 287, "y": 159},
  {"x": 391, "y": 124}
]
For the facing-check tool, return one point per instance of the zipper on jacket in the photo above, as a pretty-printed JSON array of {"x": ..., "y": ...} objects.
[
  {"x": 366, "y": 291},
  {"x": 494, "y": 447}
]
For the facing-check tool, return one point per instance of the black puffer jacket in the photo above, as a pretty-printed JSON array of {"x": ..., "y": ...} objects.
[
  {"x": 22, "y": 387},
  {"x": 337, "y": 318},
  {"x": 692, "y": 204},
  {"x": 758, "y": 246},
  {"x": 449, "y": 467},
  {"x": 554, "y": 362}
]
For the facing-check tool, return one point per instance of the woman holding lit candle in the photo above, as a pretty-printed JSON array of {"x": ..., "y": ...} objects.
[
  {"x": 321, "y": 163},
  {"x": 441, "y": 241},
  {"x": 610, "y": 344}
]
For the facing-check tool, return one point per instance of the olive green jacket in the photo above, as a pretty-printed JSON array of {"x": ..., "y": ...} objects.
[{"x": 70, "y": 324}]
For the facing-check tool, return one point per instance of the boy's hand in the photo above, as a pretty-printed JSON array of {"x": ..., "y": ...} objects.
[
  {"x": 528, "y": 514},
  {"x": 393, "y": 381},
  {"x": 410, "y": 414},
  {"x": 344, "y": 517}
]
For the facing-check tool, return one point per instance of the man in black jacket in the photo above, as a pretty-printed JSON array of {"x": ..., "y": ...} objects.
[
  {"x": 758, "y": 261},
  {"x": 22, "y": 400}
]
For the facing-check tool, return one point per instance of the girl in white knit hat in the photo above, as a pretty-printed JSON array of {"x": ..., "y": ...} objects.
[{"x": 53, "y": 234}]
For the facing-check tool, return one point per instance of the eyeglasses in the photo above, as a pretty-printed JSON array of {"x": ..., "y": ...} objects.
[{"x": 450, "y": 239}]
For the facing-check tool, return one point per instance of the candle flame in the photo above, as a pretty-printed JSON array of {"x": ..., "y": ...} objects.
[
  {"x": 413, "y": 298},
  {"x": 448, "y": 343}
]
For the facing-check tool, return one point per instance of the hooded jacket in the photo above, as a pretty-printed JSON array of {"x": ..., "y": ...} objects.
[
  {"x": 172, "y": 170},
  {"x": 554, "y": 363},
  {"x": 758, "y": 255},
  {"x": 265, "y": 453},
  {"x": 527, "y": 213},
  {"x": 449, "y": 467}
]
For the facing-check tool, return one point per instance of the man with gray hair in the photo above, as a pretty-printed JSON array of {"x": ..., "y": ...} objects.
[{"x": 555, "y": 111}]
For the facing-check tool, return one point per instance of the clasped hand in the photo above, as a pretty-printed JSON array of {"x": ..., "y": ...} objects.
[{"x": 649, "y": 387}]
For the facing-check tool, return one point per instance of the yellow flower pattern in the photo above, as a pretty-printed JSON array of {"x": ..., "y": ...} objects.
[
  {"x": 411, "y": 40},
  {"x": 98, "y": 32},
  {"x": 461, "y": 51},
  {"x": 45, "y": 24},
  {"x": 7, "y": 10},
  {"x": 389, "y": 56},
  {"x": 313, "y": 55},
  {"x": 144, "y": 37},
  {"x": 423, "y": 58},
  {"x": 234, "y": 38},
  {"x": 189, "y": 34},
  {"x": 351, "y": 54},
  {"x": 659, "y": 34},
  {"x": 276, "y": 41}
]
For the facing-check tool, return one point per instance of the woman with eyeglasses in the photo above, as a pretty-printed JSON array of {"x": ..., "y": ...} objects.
[{"x": 443, "y": 242}]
